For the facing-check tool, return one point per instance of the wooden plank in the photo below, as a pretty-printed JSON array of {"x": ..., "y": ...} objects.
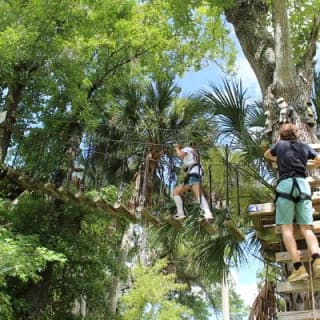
[
  {"x": 315, "y": 146},
  {"x": 257, "y": 222},
  {"x": 272, "y": 234},
  {"x": 261, "y": 209},
  {"x": 298, "y": 286},
  {"x": 268, "y": 234},
  {"x": 233, "y": 229},
  {"x": 150, "y": 217},
  {"x": 315, "y": 200},
  {"x": 267, "y": 209},
  {"x": 50, "y": 188},
  {"x": 314, "y": 181},
  {"x": 299, "y": 315},
  {"x": 285, "y": 257},
  {"x": 178, "y": 225},
  {"x": 127, "y": 212},
  {"x": 207, "y": 226},
  {"x": 297, "y": 233}
]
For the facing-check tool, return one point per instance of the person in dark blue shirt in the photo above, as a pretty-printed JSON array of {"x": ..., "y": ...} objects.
[{"x": 293, "y": 197}]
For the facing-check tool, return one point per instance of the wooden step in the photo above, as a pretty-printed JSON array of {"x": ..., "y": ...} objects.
[
  {"x": 207, "y": 226},
  {"x": 298, "y": 286},
  {"x": 297, "y": 233},
  {"x": 267, "y": 209},
  {"x": 285, "y": 257},
  {"x": 272, "y": 233},
  {"x": 314, "y": 181},
  {"x": 150, "y": 217},
  {"x": 299, "y": 315},
  {"x": 315, "y": 146}
]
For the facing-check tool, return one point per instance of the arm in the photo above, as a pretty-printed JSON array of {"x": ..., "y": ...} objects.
[
  {"x": 269, "y": 156},
  {"x": 315, "y": 161},
  {"x": 181, "y": 154}
]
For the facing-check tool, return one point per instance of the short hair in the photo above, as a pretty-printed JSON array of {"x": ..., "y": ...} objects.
[{"x": 288, "y": 131}]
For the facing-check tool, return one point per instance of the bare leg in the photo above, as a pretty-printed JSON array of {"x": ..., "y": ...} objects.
[
  {"x": 311, "y": 239},
  {"x": 290, "y": 242},
  {"x": 203, "y": 202},
  {"x": 177, "y": 192}
]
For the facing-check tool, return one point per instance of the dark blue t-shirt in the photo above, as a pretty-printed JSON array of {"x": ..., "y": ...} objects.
[{"x": 292, "y": 157}]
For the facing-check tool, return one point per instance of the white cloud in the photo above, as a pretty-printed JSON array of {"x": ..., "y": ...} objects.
[{"x": 248, "y": 292}]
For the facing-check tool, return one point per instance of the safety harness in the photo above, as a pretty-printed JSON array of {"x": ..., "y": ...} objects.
[
  {"x": 193, "y": 174},
  {"x": 300, "y": 197}
]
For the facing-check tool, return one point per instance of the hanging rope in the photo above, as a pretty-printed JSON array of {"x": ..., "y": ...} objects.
[
  {"x": 238, "y": 195},
  {"x": 121, "y": 184},
  {"x": 171, "y": 174},
  {"x": 142, "y": 197},
  {"x": 228, "y": 223},
  {"x": 210, "y": 188},
  {"x": 228, "y": 215},
  {"x": 312, "y": 288}
]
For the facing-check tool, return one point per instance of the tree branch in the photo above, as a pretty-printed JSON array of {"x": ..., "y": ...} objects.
[{"x": 310, "y": 53}]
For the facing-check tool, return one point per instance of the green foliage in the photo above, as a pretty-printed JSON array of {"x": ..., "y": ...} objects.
[
  {"x": 5, "y": 306},
  {"x": 23, "y": 258},
  {"x": 149, "y": 297},
  {"x": 301, "y": 20}
]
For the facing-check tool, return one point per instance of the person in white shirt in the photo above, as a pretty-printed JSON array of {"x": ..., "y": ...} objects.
[{"x": 192, "y": 167}]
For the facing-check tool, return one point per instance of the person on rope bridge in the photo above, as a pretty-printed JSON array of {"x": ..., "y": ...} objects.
[
  {"x": 293, "y": 197},
  {"x": 192, "y": 181}
]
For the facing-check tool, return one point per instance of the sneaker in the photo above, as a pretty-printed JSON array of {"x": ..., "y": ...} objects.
[
  {"x": 300, "y": 274},
  {"x": 207, "y": 216},
  {"x": 178, "y": 216},
  {"x": 316, "y": 268}
]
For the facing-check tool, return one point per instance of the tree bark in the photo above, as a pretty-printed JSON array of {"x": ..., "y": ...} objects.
[
  {"x": 114, "y": 293},
  {"x": 249, "y": 19},
  {"x": 7, "y": 127},
  {"x": 284, "y": 83},
  {"x": 270, "y": 56}
]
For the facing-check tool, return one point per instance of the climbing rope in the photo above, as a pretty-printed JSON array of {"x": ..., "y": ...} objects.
[{"x": 121, "y": 184}]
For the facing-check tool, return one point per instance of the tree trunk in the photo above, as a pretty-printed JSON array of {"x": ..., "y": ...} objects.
[
  {"x": 114, "y": 293},
  {"x": 7, "y": 127},
  {"x": 225, "y": 298},
  {"x": 270, "y": 56}
]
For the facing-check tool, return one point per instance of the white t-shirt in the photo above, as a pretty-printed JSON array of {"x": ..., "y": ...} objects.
[{"x": 190, "y": 159}]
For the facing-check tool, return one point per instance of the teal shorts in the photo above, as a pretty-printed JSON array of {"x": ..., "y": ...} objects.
[{"x": 287, "y": 211}]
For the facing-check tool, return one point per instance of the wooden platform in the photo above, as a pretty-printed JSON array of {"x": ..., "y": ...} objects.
[
  {"x": 299, "y": 315},
  {"x": 298, "y": 286},
  {"x": 284, "y": 256}
]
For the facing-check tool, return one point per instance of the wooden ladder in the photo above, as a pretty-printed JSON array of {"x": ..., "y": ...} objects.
[{"x": 263, "y": 220}]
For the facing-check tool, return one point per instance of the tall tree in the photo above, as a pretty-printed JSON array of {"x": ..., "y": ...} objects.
[{"x": 278, "y": 39}]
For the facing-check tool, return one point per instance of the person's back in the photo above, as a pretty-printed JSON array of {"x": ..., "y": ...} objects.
[{"x": 292, "y": 158}]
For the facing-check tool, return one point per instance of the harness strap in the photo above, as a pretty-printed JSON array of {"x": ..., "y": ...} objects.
[
  {"x": 188, "y": 169},
  {"x": 300, "y": 197}
]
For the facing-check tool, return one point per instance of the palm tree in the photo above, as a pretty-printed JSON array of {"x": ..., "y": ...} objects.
[
  {"x": 239, "y": 129},
  {"x": 154, "y": 118}
]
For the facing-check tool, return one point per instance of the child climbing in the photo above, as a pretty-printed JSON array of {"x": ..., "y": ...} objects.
[{"x": 192, "y": 181}]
